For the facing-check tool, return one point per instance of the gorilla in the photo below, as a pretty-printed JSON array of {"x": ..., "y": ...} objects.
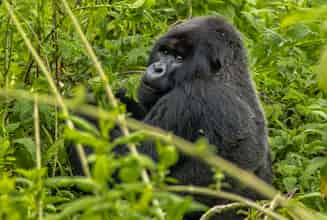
[{"x": 196, "y": 85}]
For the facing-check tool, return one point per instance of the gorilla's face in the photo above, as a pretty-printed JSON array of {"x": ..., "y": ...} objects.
[
  {"x": 192, "y": 50},
  {"x": 165, "y": 61}
]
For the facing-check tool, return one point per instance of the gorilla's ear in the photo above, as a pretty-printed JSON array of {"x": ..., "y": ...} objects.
[
  {"x": 216, "y": 51},
  {"x": 209, "y": 56},
  {"x": 219, "y": 51},
  {"x": 217, "y": 58},
  {"x": 217, "y": 64}
]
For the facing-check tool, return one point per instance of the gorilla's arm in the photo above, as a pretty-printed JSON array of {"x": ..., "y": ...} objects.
[
  {"x": 234, "y": 128},
  {"x": 217, "y": 114},
  {"x": 136, "y": 110},
  {"x": 132, "y": 107}
]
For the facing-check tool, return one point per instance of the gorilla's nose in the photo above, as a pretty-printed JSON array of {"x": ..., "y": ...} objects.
[
  {"x": 155, "y": 72},
  {"x": 158, "y": 68}
]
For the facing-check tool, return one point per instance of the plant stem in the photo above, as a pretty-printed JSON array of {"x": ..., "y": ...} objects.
[
  {"x": 183, "y": 145},
  {"x": 53, "y": 87},
  {"x": 121, "y": 120},
  {"x": 221, "y": 208},
  {"x": 225, "y": 195},
  {"x": 38, "y": 156}
]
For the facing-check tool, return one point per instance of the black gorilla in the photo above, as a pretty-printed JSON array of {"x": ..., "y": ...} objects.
[{"x": 197, "y": 85}]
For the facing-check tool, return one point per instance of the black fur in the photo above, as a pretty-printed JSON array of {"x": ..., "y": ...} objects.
[{"x": 211, "y": 94}]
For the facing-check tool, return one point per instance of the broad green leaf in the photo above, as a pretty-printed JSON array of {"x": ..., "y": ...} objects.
[{"x": 85, "y": 138}]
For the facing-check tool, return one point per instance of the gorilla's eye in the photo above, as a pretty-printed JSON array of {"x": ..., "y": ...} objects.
[
  {"x": 179, "y": 58},
  {"x": 165, "y": 51}
]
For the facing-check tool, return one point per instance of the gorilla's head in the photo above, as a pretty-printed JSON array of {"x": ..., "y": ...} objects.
[{"x": 200, "y": 48}]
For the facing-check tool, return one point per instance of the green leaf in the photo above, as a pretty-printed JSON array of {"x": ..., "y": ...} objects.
[
  {"x": 103, "y": 169},
  {"x": 290, "y": 183},
  {"x": 129, "y": 174},
  {"x": 12, "y": 127},
  {"x": 85, "y": 125},
  {"x": 140, "y": 3},
  {"x": 168, "y": 156},
  {"x": 314, "y": 165},
  {"x": 323, "y": 180},
  {"x": 322, "y": 71},
  {"x": 6, "y": 185},
  {"x": 28, "y": 144},
  {"x": 75, "y": 207},
  {"x": 85, "y": 138},
  {"x": 305, "y": 14}
]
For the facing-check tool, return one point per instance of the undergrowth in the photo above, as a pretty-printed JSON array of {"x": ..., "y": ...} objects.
[{"x": 284, "y": 39}]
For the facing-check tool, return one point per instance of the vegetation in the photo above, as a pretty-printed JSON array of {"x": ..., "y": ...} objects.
[{"x": 40, "y": 81}]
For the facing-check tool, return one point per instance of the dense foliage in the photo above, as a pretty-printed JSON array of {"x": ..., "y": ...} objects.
[{"x": 284, "y": 38}]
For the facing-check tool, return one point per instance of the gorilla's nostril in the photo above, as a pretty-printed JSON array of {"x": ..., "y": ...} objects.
[{"x": 158, "y": 68}]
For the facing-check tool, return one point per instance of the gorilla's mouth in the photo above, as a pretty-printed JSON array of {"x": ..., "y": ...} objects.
[{"x": 147, "y": 86}]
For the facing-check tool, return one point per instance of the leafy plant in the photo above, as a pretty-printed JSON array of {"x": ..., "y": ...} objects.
[{"x": 284, "y": 38}]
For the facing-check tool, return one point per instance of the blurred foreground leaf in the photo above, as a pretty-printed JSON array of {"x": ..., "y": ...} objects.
[
  {"x": 322, "y": 71},
  {"x": 323, "y": 181}
]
